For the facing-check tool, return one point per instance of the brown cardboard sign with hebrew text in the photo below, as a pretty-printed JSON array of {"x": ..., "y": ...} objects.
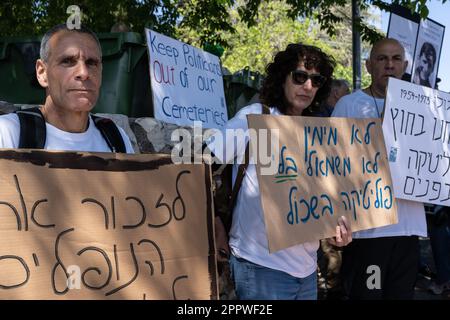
[
  {"x": 327, "y": 168},
  {"x": 104, "y": 226}
]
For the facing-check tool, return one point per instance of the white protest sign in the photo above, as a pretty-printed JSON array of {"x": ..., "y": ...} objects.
[
  {"x": 186, "y": 82},
  {"x": 405, "y": 31},
  {"x": 416, "y": 130},
  {"x": 428, "y": 52},
  {"x": 422, "y": 40}
]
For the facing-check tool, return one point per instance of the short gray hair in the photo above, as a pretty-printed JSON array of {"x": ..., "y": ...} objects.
[
  {"x": 45, "y": 46},
  {"x": 339, "y": 83}
]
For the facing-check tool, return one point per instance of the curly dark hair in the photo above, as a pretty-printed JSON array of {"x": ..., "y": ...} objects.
[{"x": 272, "y": 91}]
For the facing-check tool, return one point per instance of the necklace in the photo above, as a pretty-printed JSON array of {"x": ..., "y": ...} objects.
[{"x": 374, "y": 100}]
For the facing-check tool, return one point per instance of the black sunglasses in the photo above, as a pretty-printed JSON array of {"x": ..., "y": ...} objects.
[{"x": 300, "y": 77}]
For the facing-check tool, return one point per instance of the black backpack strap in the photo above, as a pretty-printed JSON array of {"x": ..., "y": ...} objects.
[
  {"x": 243, "y": 167},
  {"x": 110, "y": 133},
  {"x": 33, "y": 132},
  {"x": 265, "y": 109}
]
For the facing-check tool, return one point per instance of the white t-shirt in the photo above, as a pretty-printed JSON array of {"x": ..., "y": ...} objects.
[
  {"x": 91, "y": 140},
  {"x": 248, "y": 238},
  {"x": 411, "y": 214}
]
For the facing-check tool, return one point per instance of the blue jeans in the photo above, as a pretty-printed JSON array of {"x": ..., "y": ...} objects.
[
  {"x": 255, "y": 282},
  {"x": 440, "y": 244}
]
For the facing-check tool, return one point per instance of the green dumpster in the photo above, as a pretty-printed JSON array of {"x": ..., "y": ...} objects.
[
  {"x": 18, "y": 83},
  {"x": 126, "y": 81},
  {"x": 241, "y": 88}
]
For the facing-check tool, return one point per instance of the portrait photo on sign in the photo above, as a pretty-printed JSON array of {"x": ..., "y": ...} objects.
[
  {"x": 425, "y": 65},
  {"x": 427, "y": 53}
]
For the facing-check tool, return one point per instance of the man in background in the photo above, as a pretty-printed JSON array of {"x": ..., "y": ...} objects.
[
  {"x": 393, "y": 249},
  {"x": 339, "y": 88}
]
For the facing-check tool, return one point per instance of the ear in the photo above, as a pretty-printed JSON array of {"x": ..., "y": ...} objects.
[
  {"x": 41, "y": 73},
  {"x": 335, "y": 93},
  {"x": 406, "y": 65},
  {"x": 368, "y": 66}
]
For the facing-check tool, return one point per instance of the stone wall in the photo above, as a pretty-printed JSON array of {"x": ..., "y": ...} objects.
[{"x": 147, "y": 135}]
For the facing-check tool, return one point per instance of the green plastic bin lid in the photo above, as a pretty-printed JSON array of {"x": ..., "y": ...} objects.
[
  {"x": 111, "y": 43},
  {"x": 115, "y": 43},
  {"x": 5, "y": 42}
]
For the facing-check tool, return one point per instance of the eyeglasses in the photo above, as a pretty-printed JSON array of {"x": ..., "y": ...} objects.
[{"x": 300, "y": 77}]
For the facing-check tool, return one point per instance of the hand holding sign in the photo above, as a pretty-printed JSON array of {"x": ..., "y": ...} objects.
[
  {"x": 104, "y": 226},
  {"x": 343, "y": 233}
]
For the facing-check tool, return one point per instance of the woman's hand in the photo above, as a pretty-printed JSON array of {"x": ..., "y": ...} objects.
[{"x": 343, "y": 234}]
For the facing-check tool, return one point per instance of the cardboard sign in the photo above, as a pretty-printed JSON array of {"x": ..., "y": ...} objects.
[
  {"x": 328, "y": 167},
  {"x": 416, "y": 129},
  {"x": 186, "y": 82},
  {"x": 104, "y": 226}
]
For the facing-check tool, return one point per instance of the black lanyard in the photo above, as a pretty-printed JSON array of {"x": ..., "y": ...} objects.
[{"x": 375, "y": 100}]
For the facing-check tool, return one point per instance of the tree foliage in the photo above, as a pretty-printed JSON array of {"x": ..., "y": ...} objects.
[
  {"x": 327, "y": 16},
  {"x": 27, "y": 17},
  {"x": 254, "y": 46},
  {"x": 209, "y": 18},
  {"x": 251, "y": 30}
]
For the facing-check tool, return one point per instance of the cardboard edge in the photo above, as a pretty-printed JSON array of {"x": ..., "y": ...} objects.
[
  {"x": 92, "y": 161},
  {"x": 212, "y": 264}
]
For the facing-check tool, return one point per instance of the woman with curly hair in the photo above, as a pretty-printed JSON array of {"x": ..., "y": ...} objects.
[{"x": 299, "y": 77}]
